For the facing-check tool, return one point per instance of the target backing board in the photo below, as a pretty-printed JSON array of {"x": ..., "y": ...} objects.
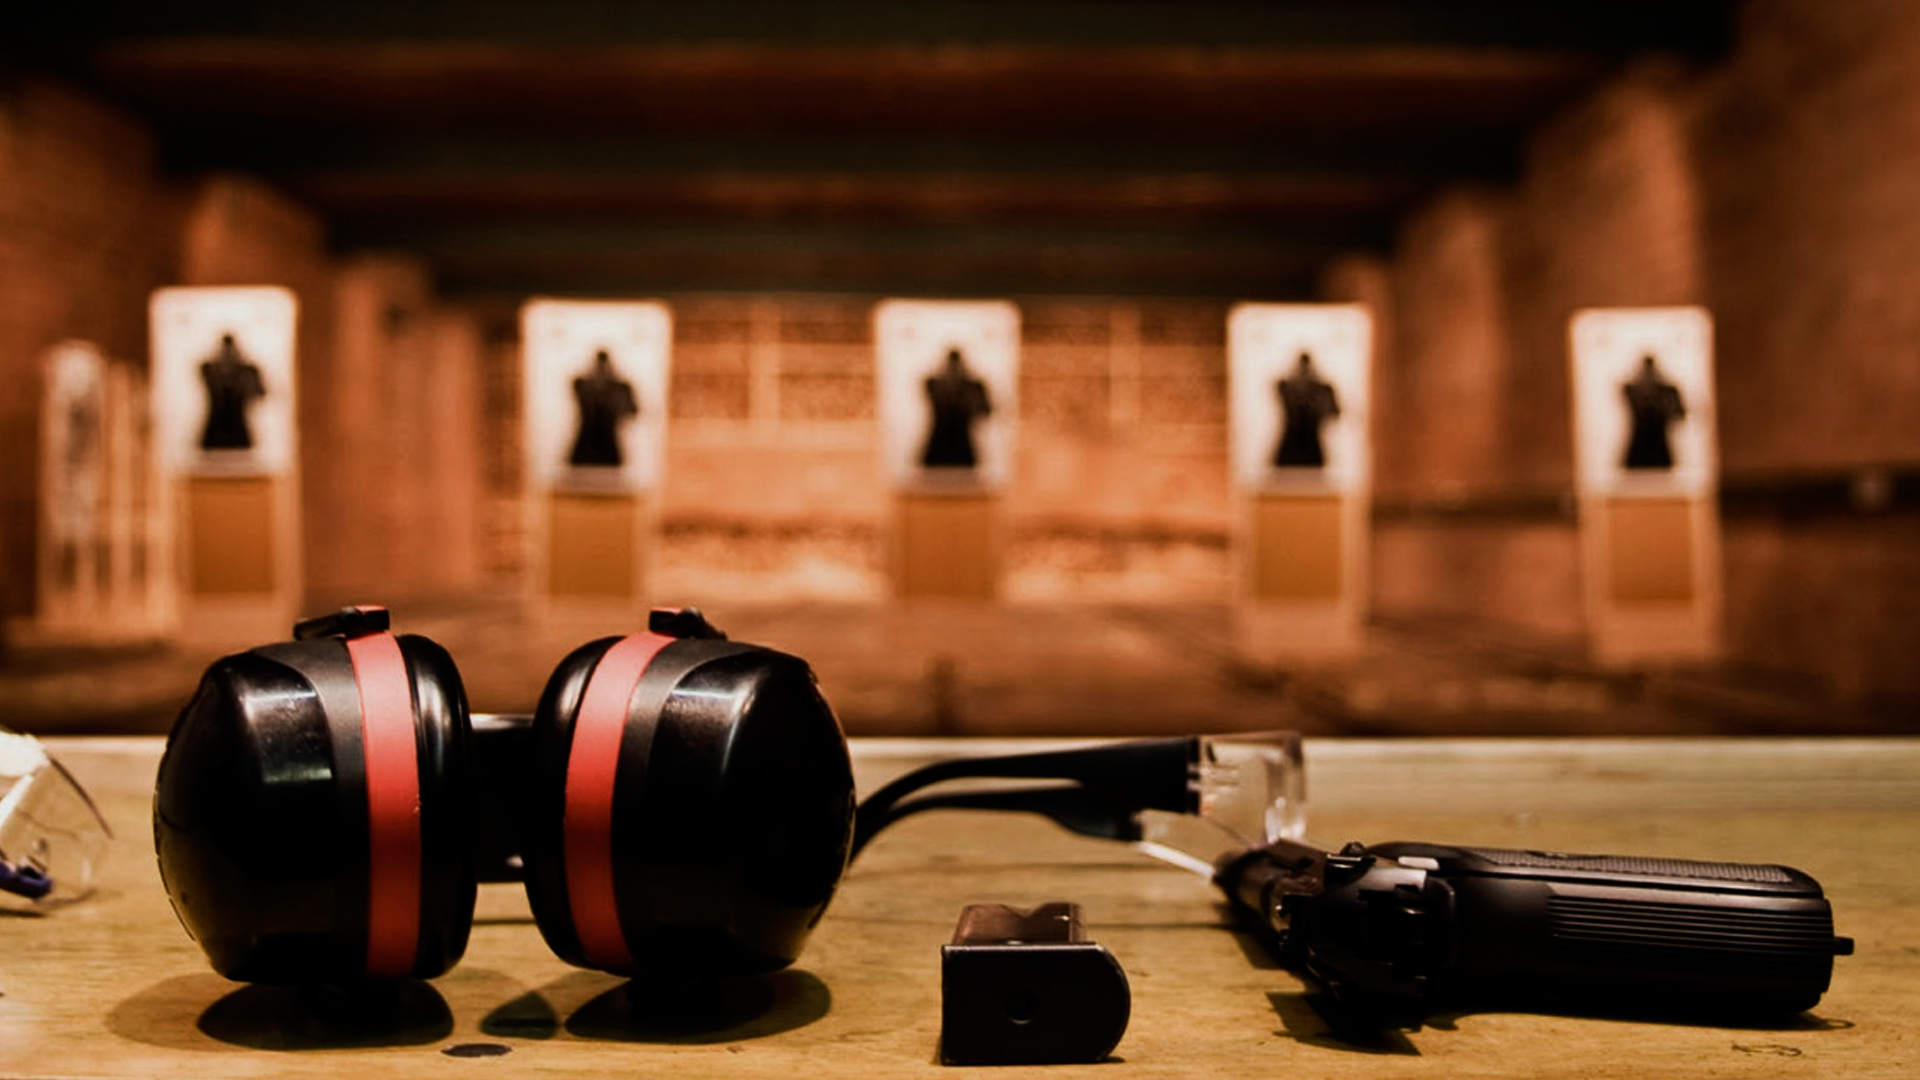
[
  {"x": 596, "y": 376},
  {"x": 223, "y": 380},
  {"x": 1644, "y": 402},
  {"x": 73, "y": 442},
  {"x": 948, "y": 385},
  {"x": 1647, "y": 469},
  {"x": 1298, "y": 397}
]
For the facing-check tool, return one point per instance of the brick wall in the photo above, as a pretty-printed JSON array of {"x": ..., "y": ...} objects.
[
  {"x": 239, "y": 231},
  {"x": 773, "y": 486},
  {"x": 1606, "y": 217},
  {"x": 1464, "y": 530},
  {"x": 87, "y": 230},
  {"x": 387, "y": 375},
  {"x": 1807, "y": 145},
  {"x": 1444, "y": 380},
  {"x": 394, "y": 452},
  {"x": 775, "y": 489},
  {"x": 450, "y": 557},
  {"x": 1775, "y": 186},
  {"x": 1475, "y": 444},
  {"x": 1121, "y": 491},
  {"x": 1824, "y": 607}
]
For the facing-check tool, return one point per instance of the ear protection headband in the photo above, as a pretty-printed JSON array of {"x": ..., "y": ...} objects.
[{"x": 678, "y": 804}]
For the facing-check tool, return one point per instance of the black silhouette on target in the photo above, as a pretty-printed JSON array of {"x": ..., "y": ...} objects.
[
  {"x": 1655, "y": 406},
  {"x": 233, "y": 384},
  {"x": 1307, "y": 402},
  {"x": 605, "y": 401},
  {"x": 957, "y": 399}
]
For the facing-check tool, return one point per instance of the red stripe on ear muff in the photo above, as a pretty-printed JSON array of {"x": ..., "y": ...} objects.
[
  {"x": 587, "y": 826},
  {"x": 393, "y": 804}
]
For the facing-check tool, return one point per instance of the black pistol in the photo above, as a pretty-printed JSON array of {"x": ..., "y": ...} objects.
[{"x": 1414, "y": 926}]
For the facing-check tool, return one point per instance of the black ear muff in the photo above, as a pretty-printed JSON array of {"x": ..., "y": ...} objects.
[
  {"x": 311, "y": 810},
  {"x": 691, "y": 807},
  {"x": 682, "y": 806}
]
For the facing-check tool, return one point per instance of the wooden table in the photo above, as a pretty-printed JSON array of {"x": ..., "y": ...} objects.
[{"x": 112, "y": 987}]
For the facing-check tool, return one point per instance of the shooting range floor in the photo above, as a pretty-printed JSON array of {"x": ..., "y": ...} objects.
[{"x": 939, "y": 668}]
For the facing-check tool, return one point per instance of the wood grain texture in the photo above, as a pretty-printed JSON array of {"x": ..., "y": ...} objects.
[{"x": 112, "y": 987}]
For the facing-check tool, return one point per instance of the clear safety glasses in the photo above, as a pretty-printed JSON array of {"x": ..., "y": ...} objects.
[
  {"x": 1190, "y": 801},
  {"x": 52, "y": 837}
]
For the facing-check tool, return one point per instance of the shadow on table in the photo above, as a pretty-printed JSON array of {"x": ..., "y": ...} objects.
[
  {"x": 716, "y": 1011},
  {"x": 317, "y": 1017},
  {"x": 1319, "y": 1018},
  {"x": 1669, "y": 1015},
  {"x": 192, "y": 1013},
  {"x": 205, "y": 1012}
]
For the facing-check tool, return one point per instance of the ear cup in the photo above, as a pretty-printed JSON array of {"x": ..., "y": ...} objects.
[
  {"x": 444, "y": 735},
  {"x": 311, "y": 809},
  {"x": 693, "y": 803}
]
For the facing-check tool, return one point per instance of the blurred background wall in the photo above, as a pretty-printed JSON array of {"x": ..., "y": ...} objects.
[{"x": 1756, "y": 158}]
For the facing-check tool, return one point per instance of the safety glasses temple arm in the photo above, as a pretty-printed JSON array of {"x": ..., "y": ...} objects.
[{"x": 1112, "y": 783}]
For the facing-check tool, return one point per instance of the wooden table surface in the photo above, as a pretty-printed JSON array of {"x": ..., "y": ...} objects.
[{"x": 112, "y": 987}]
